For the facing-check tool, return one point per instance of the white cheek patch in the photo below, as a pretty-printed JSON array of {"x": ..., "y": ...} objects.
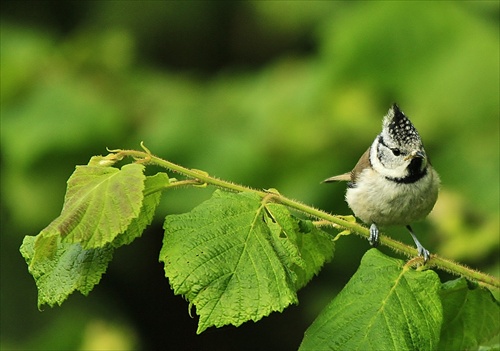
[{"x": 398, "y": 172}]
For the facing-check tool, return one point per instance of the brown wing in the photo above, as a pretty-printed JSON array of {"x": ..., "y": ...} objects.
[
  {"x": 364, "y": 162},
  {"x": 351, "y": 176}
]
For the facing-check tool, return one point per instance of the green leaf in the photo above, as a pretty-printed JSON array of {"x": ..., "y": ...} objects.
[
  {"x": 69, "y": 268},
  {"x": 316, "y": 247},
  {"x": 60, "y": 267},
  {"x": 313, "y": 246},
  {"x": 100, "y": 203},
  {"x": 471, "y": 316},
  {"x": 385, "y": 306},
  {"x": 237, "y": 259},
  {"x": 152, "y": 196}
]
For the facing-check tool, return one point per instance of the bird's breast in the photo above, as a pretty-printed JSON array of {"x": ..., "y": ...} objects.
[{"x": 375, "y": 199}]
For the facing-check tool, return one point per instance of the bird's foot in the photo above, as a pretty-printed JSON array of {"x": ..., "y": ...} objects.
[
  {"x": 422, "y": 251},
  {"x": 373, "y": 238}
]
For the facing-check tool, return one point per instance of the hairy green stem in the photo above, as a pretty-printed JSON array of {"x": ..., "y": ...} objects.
[{"x": 200, "y": 178}]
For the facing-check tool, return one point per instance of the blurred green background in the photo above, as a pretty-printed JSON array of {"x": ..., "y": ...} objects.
[{"x": 267, "y": 94}]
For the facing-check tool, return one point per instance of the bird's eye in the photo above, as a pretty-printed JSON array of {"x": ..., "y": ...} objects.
[{"x": 396, "y": 152}]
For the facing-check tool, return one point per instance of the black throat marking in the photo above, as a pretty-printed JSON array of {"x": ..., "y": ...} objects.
[{"x": 415, "y": 173}]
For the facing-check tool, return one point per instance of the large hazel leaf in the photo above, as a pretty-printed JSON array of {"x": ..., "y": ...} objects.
[
  {"x": 385, "y": 306},
  {"x": 100, "y": 203},
  {"x": 237, "y": 259},
  {"x": 471, "y": 316},
  {"x": 68, "y": 268}
]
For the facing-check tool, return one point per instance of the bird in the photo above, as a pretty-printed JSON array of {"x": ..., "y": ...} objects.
[{"x": 393, "y": 182}]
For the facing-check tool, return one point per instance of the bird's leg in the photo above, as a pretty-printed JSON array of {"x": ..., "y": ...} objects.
[
  {"x": 373, "y": 238},
  {"x": 422, "y": 251}
]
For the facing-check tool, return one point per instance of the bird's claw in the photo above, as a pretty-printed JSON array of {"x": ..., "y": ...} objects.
[
  {"x": 373, "y": 238},
  {"x": 422, "y": 251}
]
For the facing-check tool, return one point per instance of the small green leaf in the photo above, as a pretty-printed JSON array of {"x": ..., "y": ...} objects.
[
  {"x": 316, "y": 248},
  {"x": 237, "y": 259},
  {"x": 105, "y": 161},
  {"x": 68, "y": 268},
  {"x": 385, "y": 306},
  {"x": 152, "y": 196},
  {"x": 311, "y": 245},
  {"x": 471, "y": 316},
  {"x": 100, "y": 203}
]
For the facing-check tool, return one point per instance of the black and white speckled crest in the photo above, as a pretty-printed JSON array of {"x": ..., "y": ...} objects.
[{"x": 399, "y": 128}]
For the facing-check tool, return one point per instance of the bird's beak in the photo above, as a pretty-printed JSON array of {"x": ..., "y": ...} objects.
[{"x": 418, "y": 153}]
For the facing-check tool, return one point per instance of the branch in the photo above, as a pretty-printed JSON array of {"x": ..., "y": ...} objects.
[{"x": 201, "y": 178}]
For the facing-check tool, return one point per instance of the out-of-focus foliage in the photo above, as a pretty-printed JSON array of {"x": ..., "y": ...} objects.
[{"x": 267, "y": 94}]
